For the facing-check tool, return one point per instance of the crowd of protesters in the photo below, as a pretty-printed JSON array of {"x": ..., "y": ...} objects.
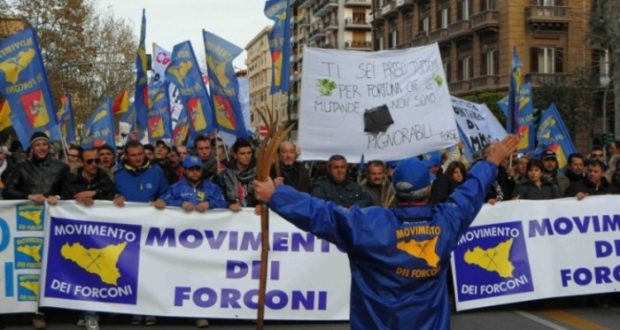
[{"x": 210, "y": 176}]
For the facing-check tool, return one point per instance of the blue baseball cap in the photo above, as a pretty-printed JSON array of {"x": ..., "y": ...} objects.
[
  {"x": 411, "y": 174},
  {"x": 192, "y": 161},
  {"x": 432, "y": 158}
]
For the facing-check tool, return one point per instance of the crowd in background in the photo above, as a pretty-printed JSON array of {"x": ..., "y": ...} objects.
[{"x": 210, "y": 175}]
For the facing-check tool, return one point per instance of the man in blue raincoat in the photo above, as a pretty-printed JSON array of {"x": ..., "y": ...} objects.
[{"x": 398, "y": 257}]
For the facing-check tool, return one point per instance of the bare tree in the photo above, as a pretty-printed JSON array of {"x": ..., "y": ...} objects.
[{"x": 87, "y": 54}]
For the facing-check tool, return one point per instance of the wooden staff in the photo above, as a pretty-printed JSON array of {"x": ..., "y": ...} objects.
[{"x": 266, "y": 158}]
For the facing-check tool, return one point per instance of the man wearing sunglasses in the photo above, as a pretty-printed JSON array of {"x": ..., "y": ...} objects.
[{"x": 89, "y": 182}]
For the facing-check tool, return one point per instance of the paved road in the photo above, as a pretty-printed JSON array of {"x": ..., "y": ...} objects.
[{"x": 540, "y": 315}]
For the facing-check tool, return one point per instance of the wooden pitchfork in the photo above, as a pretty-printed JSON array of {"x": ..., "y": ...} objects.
[{"x": 267, "y": 156}]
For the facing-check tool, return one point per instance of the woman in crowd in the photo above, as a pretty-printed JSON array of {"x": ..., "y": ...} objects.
[
  {"x": 445, "y": 184},
  {"x": 536, "y": 186}
]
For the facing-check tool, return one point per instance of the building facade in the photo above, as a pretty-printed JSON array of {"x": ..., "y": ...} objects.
[
  {"x": 477, "y": 37},
  {"x": 259, "y": 65},
  {"x": 339, "y": 24}
]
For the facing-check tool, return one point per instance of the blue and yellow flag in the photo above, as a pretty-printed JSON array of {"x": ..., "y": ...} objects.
[
  {"x": 553, "y": 135},
  {"x": 279, "y": 43},
  {"x": 5, "y": 111},
  {"x": 142, "y": 91},
  {"x": 180, "y": 133},
  {"x": 66, "y": 119},
  {"x": 24, "y": 84},
  {"x": 99, "y": 128},
  {"x": 223, "y": 84},
  {"x": 516, "y": 80},
  {"x": 159, "y": 120},
  {"x": 526, "y": 123},
  {"x": 129, "y": 117},
  {"x": 185, "y": 74}
]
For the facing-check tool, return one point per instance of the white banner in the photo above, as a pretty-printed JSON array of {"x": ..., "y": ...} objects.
[
  {"x": 160, "y": 61},
  {"x": 525, "y": 250},
  {"x": 340, "y": 87},
  {"x": 21, "y": 242},
  {"x": 140, "y": 260},
  {"x": 477, "y": 123}
]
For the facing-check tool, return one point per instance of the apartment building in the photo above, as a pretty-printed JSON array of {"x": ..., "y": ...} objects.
[
  {"x": 477, "y": 37},
  {"x": 259, "y": 65},
  {"x": 339, "y": 24}
]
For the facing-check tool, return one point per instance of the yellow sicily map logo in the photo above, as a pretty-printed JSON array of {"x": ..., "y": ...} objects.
[
  {"x": 101, "y": 262},
  {"x": 423, "y": 249},
  {"x": 494, "y": 259}
]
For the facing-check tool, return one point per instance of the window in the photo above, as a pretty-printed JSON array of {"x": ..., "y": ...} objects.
[
  {"x": 487, "y": 5},
  {"x": 443, "y": 14},
  {"x": 490, "y": 63},
  {"x": 546, "y": 2},
  {"x": 393, "y": 37},
  {"x": 464, "y": 9},
  {"x": 466, "y": 68},
  {"x": 425, "y": 19},
  {"x": 408, "y": 28},
  {"x": 547, "y": 60}
]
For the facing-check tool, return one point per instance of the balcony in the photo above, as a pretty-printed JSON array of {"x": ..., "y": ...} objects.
[
  {"x": 356, "y": 24},
  {"x": 358, "y": 3},
  {"x": 304, "y": 22},
  {"x": 389, "y": 10},
  {"x": 547, "y": 14},
  {"x": 488, "y": 19},
  {"x": 377, "y": 14},
  {"x": 459, "y": 87},
  {"x": 485, "y": 83},
  {"x": 420, "y": 40},
  {"x": 330, "y": 25},
  {"x": 325, "y": 7},
  {"x": 459, "y": 29},
  {"x": 404, "y": 3},
  {"x": 547, "y": 79},
  {"x": 439, "y": 35},
  {"x": 358, "y": 45}
]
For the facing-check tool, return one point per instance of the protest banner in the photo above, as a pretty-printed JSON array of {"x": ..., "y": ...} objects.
[
  {"x": 477, "y": 124},
  {"x": 387, "y": 105},
  {"x": 528, "y": 250},
  {"x": 21, "y": 242},
  {"x": 140, "y": 260}
]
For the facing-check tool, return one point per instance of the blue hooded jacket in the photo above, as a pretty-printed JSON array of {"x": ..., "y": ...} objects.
[
  {"x": 145, "y": 184},
  {"x": 206, "y": 191},
  {"x": 398, "y": 257}
]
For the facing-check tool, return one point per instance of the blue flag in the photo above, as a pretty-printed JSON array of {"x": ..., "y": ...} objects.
[
  {"x": 159, "y": 120},
  {"x": 553, "y": 135},
  {"x": 279, "y": 43},
  {"x": 185, "y": 74},
  {"x": 516, "y": 81},
  {"x": 180, "y": 132},
  {"x": 66, "y": 118},
  {"x": 142, "y": 92},
  {"x": 129, "y": 118},
  {"x": 24, "y": 84},
  {"x": 223, "y": 84},
  {"x": 526, "y": 123},
  {"x": 99, "y": 128}
]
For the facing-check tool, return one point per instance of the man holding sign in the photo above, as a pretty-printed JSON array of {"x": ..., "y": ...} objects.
[{"x": 398, "y": 257}]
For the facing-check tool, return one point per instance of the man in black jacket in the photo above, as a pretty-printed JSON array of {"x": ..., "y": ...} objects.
[
  {"x": 575, "y": 169},
  {"x": 594, "y": 184},
  {"x": 37, "y": 179},
  {"x": 88, "y": 182},
  {"x": 293, "y": 173},
  {"x": 337, "y": 187}
]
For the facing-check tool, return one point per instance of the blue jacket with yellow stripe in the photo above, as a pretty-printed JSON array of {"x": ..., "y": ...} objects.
[
  {"x": 398, "y": 257},
  {"x": 206, "y": 191}
]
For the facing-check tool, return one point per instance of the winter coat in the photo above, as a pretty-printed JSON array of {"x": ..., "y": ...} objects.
[
  {"x": 144, "y": 184},
  {"x": 526, "y": 189},
  {"x": 205, "y": 191},
  {"x": 102, "y": 185},
  {"x": 238, "y": 186},
  {"x": 346, "y": 194},
  {"x": 36, "y": 176}
]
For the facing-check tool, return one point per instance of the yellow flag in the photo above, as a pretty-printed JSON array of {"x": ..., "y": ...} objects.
[{"x": 5, "y": 120}]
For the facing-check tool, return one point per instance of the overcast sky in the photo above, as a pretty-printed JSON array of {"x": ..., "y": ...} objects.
[{"x": 169, "y": 22}]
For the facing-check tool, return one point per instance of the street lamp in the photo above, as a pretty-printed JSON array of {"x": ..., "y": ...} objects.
[{"x": 605, "y": 81}]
